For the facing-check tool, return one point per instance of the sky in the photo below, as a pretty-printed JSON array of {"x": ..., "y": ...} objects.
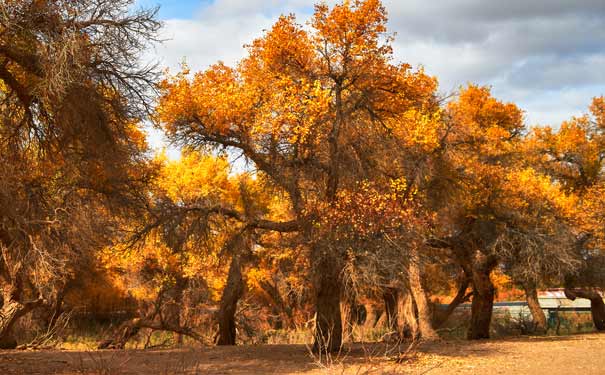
[{"x": 547, "y": 56}]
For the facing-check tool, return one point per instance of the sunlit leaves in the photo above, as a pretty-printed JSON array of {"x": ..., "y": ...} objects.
[{"x": 197, "y": 177}]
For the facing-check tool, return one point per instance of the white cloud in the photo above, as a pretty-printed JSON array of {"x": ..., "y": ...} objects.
[
  {"x": 204, "y": 42},
  {"x": 545, "y": 55}
]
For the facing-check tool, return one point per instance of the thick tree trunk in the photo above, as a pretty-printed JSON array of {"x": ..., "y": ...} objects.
[
  {"x": 10, "y": 313},
  {"x": 531, "y": 295},
  {"x": 482, "y": 304},
  {"x": 597, "y": 307},
  {"x": 328, "y": 324},
  {"x": 176, "y": 307},
  {"x": 408, "y": 322},
  {"x": 425, "y": 329},
  {"x": 370, "y": 316},
  {"x": 12, "y": 310},
  {"x": 56, "y": 309},
  {"x": 401, "y": 313},
  {"x": 234, "y": 289}
]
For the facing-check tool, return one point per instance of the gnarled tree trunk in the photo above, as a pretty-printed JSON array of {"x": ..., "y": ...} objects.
[
  {"x": 328, "y": 323},
  {"x": 346, "y": 317},
  {"x": 234, "y": 289},
  {"x": 425, "y": 329},
  {"x": 407, "y": 314},
  {"x": 401, "y": 313},
  {"x": 175, "y": 308},
  {"x": 597, "y": 307},
  {"x": 12, "y": 310},
  {"x": 10, "y": 313},
  {"x": 531, "y": 295},
  {"x": 483, "y": 300}
]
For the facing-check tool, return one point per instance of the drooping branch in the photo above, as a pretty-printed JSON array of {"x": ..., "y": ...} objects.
[
  {"x": 461, "y": 297},
  {"x": 172, "y": 212}
]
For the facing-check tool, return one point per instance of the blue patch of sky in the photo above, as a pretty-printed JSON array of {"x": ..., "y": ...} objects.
[
  {"x": 188, "y": 9},
  {"x": 170, "y": 9}
]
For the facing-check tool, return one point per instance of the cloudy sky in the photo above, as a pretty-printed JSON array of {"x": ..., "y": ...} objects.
[{"x": 548, "y": 56}]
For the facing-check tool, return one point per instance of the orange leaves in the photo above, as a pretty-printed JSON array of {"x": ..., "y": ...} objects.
[
  {"x": 572, "y": 157},
  {"x": 482, "y": 122},
  {"x": 418, "y": 129},
  {"x": 484, "y": 136},
  {"x": 597, "y": 108},
  {"x": 369, "y": 211},
  {"x": 293, "y": 112},
  {"x": 183, "y": 246},
  {"x": 350, "y": 31},
  {"x": 487, "y": 147},
  {"x": 212, "y": 99},
  {"x": 285, "y": 50},
  {"x": 477, "y": 109},
  {"x": 526, "y": 189},
  {"x": 573, "y": 153},
  {"x": 197, "y": 177},
  {"x": 284, "y": 91}
]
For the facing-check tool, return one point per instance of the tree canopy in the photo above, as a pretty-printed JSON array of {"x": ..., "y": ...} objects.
[{"x": 363, "y": 185}]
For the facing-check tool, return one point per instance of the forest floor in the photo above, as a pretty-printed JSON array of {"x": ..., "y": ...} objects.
[{"x": 579, "y": 354}]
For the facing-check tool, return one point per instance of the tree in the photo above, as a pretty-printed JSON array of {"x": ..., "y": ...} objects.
[
  {"x": 500, "y": 209},
  {"x": 573, "y": 157},
  {"x": 203, "y": 229},
  {"x": 72, "y": 95},
  {"x": 383, "y": 229},
  {"x": 168, "y": 250},
  {"x": 303, "y": 107}
]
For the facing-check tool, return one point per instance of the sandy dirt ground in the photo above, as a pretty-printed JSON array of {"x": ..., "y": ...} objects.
[{"x": 582, "y": 354}]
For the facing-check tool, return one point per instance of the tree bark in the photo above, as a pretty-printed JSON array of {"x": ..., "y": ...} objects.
[
  {"x": 328, "y": 323},
  {"x": 234, "y": 289},
  {"x": 10, "y": 313},
  {"x": 401, "y": 313},
  {"x": 346, "y": 317},
  {"x": 425, "y": 329},
  {"x": 597, "y": 307},
  {"x": 407, "y": 315},
  {"x": 482, "y": 304},
  {"x": 56, "y": 309},
  {"x": 176, "y": 307},
  {"x": 12, "y": 310},
  {"x": 531, "y": 295},
  {"x": 370, "y": 316}
]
